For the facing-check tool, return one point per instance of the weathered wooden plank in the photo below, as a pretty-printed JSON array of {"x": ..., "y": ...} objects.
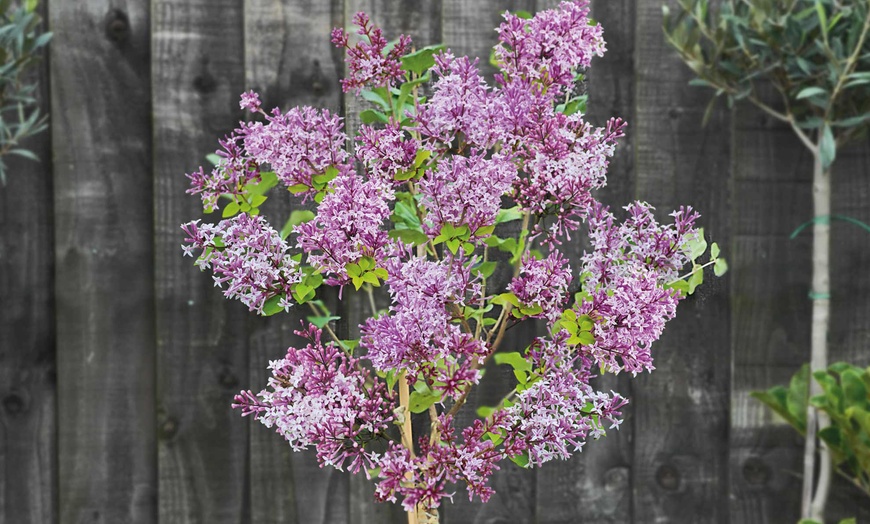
[
  {"x": 595, "y": 485},
  {"x": 198, "y": 70},
  {"x": 849, "y": 336},
  {"x": 101, "y": 134},
  {"x": 681, "y": 409},
  {"x": 770, "y": 313},
  {"x": 28, "y": 447},
  {"x": 422, "y": 22},
  {"x": 290, "y": 61}
]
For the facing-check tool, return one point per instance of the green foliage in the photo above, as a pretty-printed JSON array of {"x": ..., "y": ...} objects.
[
  {"x": 815, "y": 54},
  {"x": 697, "y": 248},
  {"x": 21, "y": 45},
  {"x": 845, "y": 399}
]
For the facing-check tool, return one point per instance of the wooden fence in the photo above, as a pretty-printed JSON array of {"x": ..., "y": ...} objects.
[{"x": 118, "y": 360}]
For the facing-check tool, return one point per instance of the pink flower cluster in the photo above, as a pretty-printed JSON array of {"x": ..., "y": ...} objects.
[
  {"x": 319, "y": 396},
  {"x": 247, "y": 256},
  {"x": 367, "y": 62},
  {"x": 348, "y": 226},
  {"x": 550, "y": 47},
  {"x": 466, "y": 190},
  {"x": 418, "y": 332},
  {"x": 415, "y": 207}
]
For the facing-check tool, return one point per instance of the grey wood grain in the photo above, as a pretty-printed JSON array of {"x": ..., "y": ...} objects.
[
  {"x": 594, "y": 486},
  {"x": 422, "y": 22},
  {"x": 198, "y": 74},
  {"x": 770, "y": 314},
  {"x": 681, "y": 409},
  {"x": 28, "y": 409},
  {"x": 101, "y": 136},
  {"x": 289, "y": 61}
]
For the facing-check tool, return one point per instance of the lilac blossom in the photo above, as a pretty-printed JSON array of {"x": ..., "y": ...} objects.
[
  {"x": 418, "y": 331},
  {"x": 367, "y": 63},
  {"x": 234, "y": 170},
  {"x": 558, "y": 412},
  {"x": 348, "y": 225},
  {"x": 298, "y": 144},
  {"x": 247, "y": 256},
  {"x": 386, "y": 151},
  {"x": 461, "y": 105},
  {"x": 543, "y": 283},
  {"x": 319, "y": 396},
  {"x": 466, "y": 190},
  {"x": 550, "y": 47},
  {"x": 250, "y": 101}
]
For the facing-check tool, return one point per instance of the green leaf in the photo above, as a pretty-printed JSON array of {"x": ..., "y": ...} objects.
[
  {"x": 298, "y": 188},
  {"x": 714, "y": 250},
  {"x": 420, "y": 402},
  {"x": 421, "y": 60},
  {"x": 695, "y": 280},
  {"x": 514, "y": 360},
  {"x": 720, "y": 267},
  {"x": 322, "y": 321},
  {"x": 453, "y": 245},
  {"x": 271, "y": 307},
  {"x": 376, "y": 98},
  {"x": 422, "y": 156},
  {"x": 854, "y": 391},
  {"x": 796, "y": 398},
  {"x": 508, "y": 215},
  {"x": 586, "y": 338},
  {"x": 810, "y": 91},
  {"x": 521, "y": 460},
  {"x": 485, "y": 411},
  {"x": 232, "y": 209},
  {"x": 525, "y": 15},
  {"x": 213, "y": 159},
  {"x": 506, "y": 298},
  {"x": 409, "y": 236},
  {"x": 697, "y": 245},
  {"x": 370, "y": 116},
  {"x": 484, "y": 269},
  {"x": 827, "y": 147}
]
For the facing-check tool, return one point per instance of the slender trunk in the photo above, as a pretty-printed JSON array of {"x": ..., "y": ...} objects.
[
  {"x": 407, "y": 435},
  {"x": 812, "y": 506}
]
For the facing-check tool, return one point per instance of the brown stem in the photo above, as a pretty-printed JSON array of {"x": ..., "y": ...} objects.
[{"x": 407, "y": 435}]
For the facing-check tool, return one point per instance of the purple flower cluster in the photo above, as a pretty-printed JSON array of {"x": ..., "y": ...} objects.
[
  {"x": 550, "y": 47},
  {"x": 625, "y": 273},
  {"x": 560, "y": 411},
  {"x": 348, "y": 225},
  {"x": 468, "y": 156},
  {"x": 234, "y": 170},
  {"x": 320, "y": 396},
  {"x": 418, "y": 332},
  {"x": 543, "y": 283},
  {"x": 367, "y": 63},
  {"x": 461, "y": 104},
  {"x": 466, "y": 190},
  {"x": 247, "y": 256},
  {"x": 298, "y": 144},
  {"x": 385, "y": 152}
]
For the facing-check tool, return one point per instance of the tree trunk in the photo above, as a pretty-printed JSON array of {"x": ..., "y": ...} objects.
[{"x": 812, "y": 506}]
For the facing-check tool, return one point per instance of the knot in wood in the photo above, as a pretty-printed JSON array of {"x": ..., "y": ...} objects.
[
  {"x": 168, "y": 428},
  {"x": 117, "y": 26},
  {"x": 756, "y": 472},
  {"x": 668, "y": 477},
  {"x": 14, "y": 404}
]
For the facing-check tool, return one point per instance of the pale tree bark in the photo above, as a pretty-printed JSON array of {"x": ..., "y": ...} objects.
[{"x": 813, "y": 503}]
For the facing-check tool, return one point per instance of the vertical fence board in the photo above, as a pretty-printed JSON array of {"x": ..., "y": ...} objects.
[
  {"x": 103, "y": 229},
  {"x": 468, "y": 28},
  {"x": 289, "y": 61},
  {"x": 28, "y": 449},
  {"x": 770, "y": 314},
  {"x": 849, "y": 337},
  {"x": 202, "y": 349},
  {"x": 681, "y": 409},
  {"x": 422, "y": 22},
  {"x": 594, "y": 486}
]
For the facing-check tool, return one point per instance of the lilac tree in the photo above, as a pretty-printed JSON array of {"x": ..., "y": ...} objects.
[{"x": 416, "y": 202}]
